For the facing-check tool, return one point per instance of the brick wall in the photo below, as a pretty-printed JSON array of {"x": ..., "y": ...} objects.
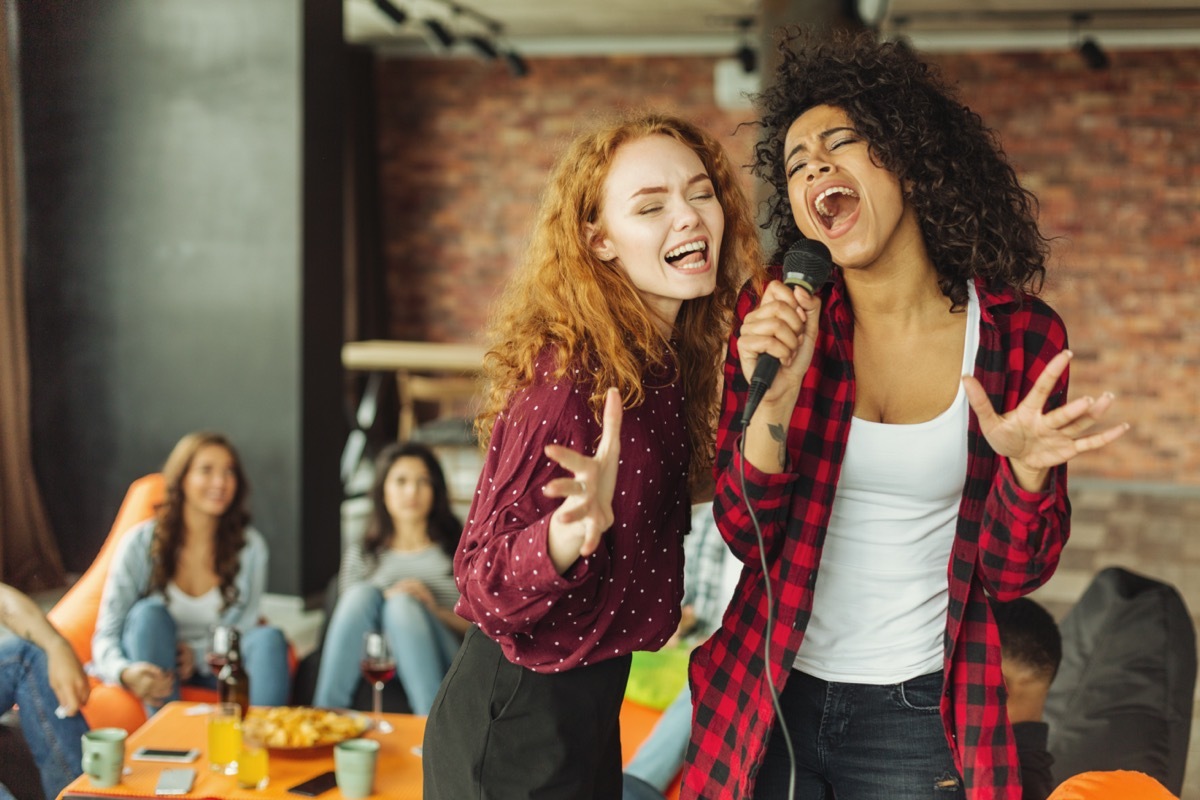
[
  {"x": 465, "y": 150},
  {"x": 1114, "y": 157}
]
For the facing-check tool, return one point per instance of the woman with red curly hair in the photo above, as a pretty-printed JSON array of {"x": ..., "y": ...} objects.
[
  {"x": 607, "y": 340},
  {"x": 909, "y": 458}
]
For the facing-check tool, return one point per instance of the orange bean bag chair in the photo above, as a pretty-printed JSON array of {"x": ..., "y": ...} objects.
[
  {"x": 1117, "y": 784},
  {"x": 75, "y": 615},
  {"x": 636, "y": 723}
]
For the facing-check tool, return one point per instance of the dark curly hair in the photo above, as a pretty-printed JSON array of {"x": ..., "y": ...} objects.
[
  {"x": 231, "y": 527},
  {"x": 444, "y": 527},
  {"x": 1029, "y": 636},
  {"x": 975, "y": 217}
]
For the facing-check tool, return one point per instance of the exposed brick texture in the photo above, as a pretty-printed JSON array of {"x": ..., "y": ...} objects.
[
  {"x": 1114, "y": 157},
  {"x": 465, "y": 153}
]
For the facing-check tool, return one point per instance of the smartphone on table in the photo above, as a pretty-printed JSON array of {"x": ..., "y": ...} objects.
[
  {"x": 175, "y": 781},
  {"x": 315, "y": 786},
  {"x": 169, "y": 754}
]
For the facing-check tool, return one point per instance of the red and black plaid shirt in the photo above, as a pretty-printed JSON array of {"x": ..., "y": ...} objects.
[{"x": 1007, "y": 542}]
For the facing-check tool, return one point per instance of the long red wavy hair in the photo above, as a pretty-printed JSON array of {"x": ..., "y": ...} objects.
[{"x": 562, "y": 296}]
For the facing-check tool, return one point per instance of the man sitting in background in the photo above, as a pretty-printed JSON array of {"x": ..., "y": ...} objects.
[
  {"x": 40, "y": 673},
  {"x": 1030, "y": 652}
]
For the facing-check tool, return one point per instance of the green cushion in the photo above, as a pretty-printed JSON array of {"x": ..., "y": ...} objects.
[{"x": 655, "y": 678}]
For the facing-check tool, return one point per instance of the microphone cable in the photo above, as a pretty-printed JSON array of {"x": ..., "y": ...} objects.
[
  {"x": 807, "y": 264},
  {"x": 770, "y": 624}
]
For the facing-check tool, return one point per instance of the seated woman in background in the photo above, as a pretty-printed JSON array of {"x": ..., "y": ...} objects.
[
  {"x": 197, "y": 564},
  {"x": 398, "y": 581}
]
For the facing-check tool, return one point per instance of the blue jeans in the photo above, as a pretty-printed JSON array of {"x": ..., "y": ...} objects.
[
  {"x": 422, "y": 645},
  {"x": 861, "y": 742},
  {"x": 659, "y": 758},
  {"x": 149, "y": 635},
  {"x": 55, "y": 743}
]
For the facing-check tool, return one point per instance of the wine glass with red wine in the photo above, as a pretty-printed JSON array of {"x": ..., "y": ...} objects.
[
  {"x": 378, "y": 666},
  {"x": 218, "y": 647}
]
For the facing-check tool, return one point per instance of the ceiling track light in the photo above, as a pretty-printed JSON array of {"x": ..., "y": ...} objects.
[
  {"x": 746, "y": 54},
  {"x": 493, "y": 26},
  {"x": 440, "y": 32},
  {"x": 392, "y": 11},
  {"x": 1089, "y": 49},
  {"x": 516, "y": 65},
  {"x": 459, "y": 23},
  {"x": 484, "y": 46},
  {"x": 1092, "y": 54}
]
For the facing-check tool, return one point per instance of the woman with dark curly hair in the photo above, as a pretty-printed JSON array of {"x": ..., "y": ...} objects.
[
  {"x": 399, "y": 581},
  {"x": 198, "y": 563},
  {"x": 913, "y": 446},
  {"x": 607, "y": 342}
]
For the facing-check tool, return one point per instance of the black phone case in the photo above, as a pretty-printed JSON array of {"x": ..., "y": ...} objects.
[
  {"x": 166, "y": 754},
  {"x": 315, "y": 786}
]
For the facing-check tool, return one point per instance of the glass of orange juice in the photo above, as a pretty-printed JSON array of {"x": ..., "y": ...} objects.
[
  {"x": 252, "y": 763},
  {"x": 224, "y": 737}
]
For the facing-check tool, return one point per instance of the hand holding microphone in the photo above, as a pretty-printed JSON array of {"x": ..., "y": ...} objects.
[{"x": 807, "y": 264}]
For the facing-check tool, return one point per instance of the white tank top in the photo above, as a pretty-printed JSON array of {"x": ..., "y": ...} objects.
[
  {"x": 194, "y": 615},
  {"x": 880, "y": 601}
]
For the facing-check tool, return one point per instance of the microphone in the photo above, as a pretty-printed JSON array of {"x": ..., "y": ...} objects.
[{"x": 807, "y": 264}]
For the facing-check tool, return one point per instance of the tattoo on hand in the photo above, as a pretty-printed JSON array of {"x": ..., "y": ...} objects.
[{"x": 780, "y": 435}]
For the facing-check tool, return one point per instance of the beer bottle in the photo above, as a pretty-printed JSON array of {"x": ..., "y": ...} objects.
[{"x": 233, "y": 684}]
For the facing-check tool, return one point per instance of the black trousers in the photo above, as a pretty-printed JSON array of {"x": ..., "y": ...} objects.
[{"x": 498, "y": 731}]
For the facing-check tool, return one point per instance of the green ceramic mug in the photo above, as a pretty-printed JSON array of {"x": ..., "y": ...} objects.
[
  {"x": 354, "y": 767},
  {"x": 104, "y": 756}
]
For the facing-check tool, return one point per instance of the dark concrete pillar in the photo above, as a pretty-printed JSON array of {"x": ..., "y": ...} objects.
[{"x": 183, "y": 168}]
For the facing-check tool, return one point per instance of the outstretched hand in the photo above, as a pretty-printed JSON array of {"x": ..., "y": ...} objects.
[
  {"x": 1034, "y": 440},
  {"x": 586, "y": 511}
]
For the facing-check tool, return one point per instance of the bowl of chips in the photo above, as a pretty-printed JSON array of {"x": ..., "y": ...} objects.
[{"x": 300, "y": 730}]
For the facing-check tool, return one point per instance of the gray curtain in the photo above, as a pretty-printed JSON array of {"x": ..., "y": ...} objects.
[{"x": 29, "y": 557}]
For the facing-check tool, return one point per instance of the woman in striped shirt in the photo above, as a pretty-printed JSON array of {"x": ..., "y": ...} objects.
[{"x": 399, "y": 581}]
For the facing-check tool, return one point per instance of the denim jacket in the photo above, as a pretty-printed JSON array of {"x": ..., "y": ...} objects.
[{"x": 129, "y": 581}]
